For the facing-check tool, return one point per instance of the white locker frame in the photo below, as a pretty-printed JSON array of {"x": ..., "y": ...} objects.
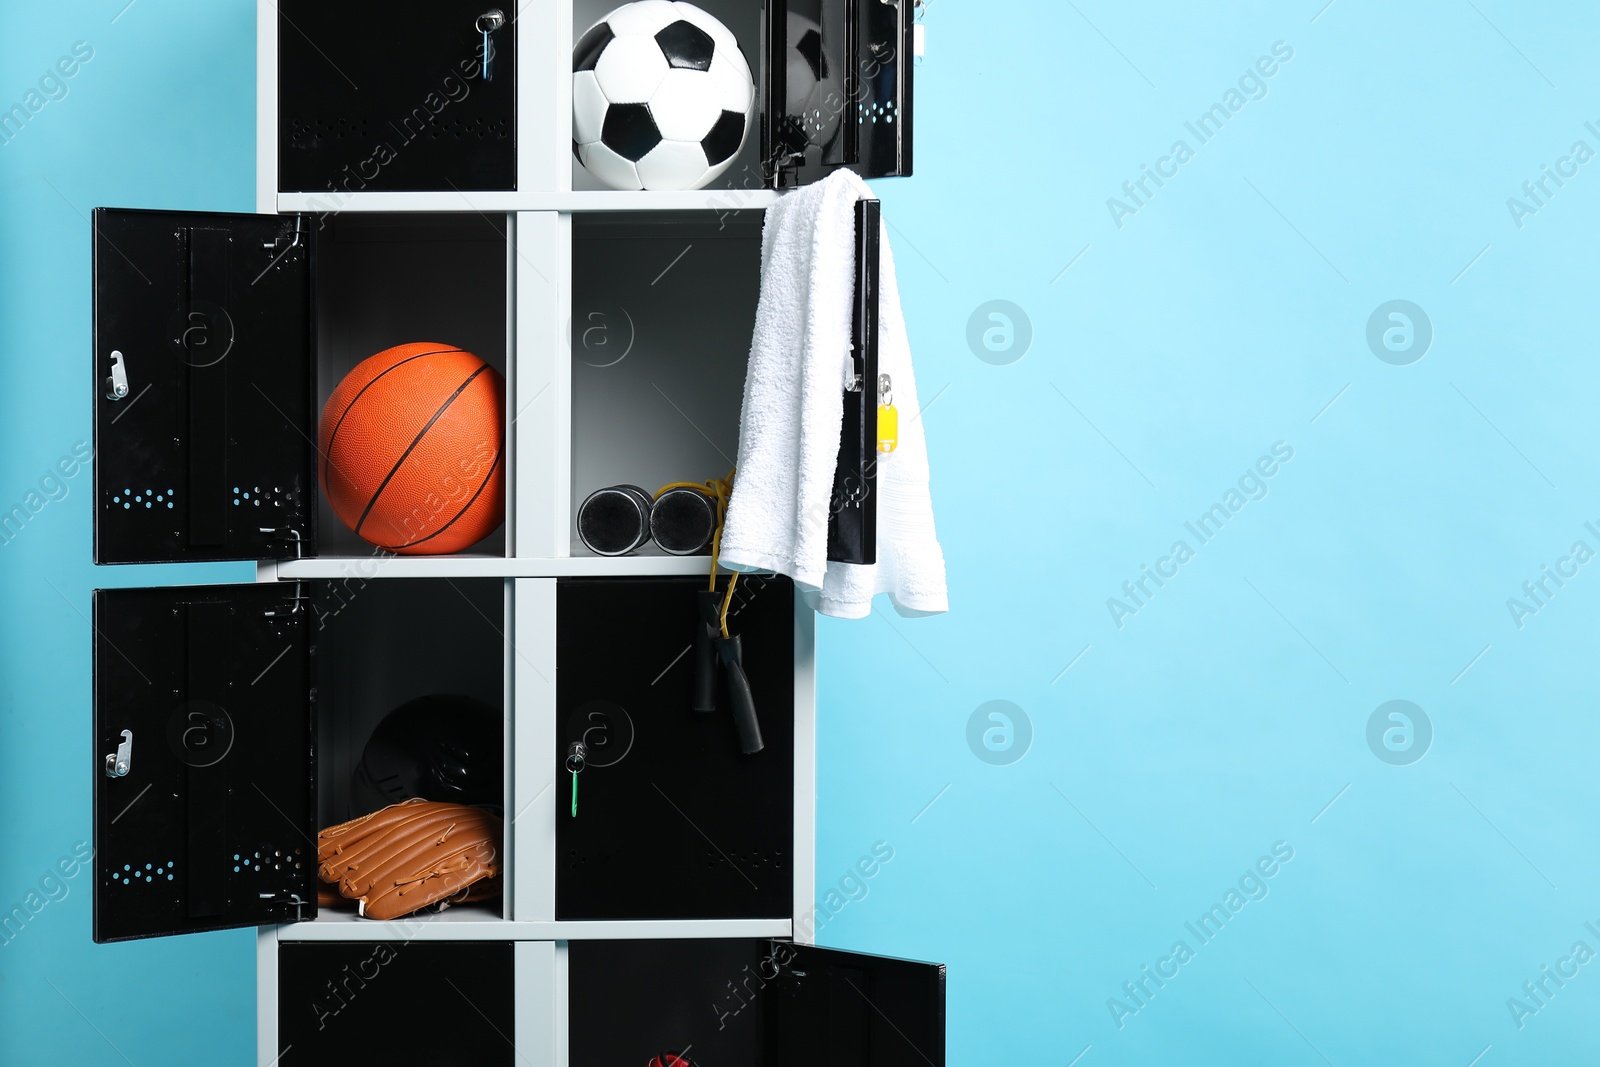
[{"x": 538, "y": 225}]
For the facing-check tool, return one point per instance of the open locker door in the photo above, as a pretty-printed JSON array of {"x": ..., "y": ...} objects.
[
  {"x": 203, "y": 418},
  {"x": 204, "y": 814},
  {"x": 853, "y": 508},
  {"x": 836, "y": 89},
  {"x": 848, "y": 1009}
]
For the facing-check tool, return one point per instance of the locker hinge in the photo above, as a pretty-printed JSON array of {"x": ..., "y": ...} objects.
[
  {"x": 288, "y": 540},
  {"x": 298, "y": 603}
]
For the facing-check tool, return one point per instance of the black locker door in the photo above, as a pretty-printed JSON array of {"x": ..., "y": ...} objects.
[
  {"x": 756, "y": 1002},
  {"x": 202, "y": 387},
  {"x": 836, "y": 89},
  {"x": 673, "y": 821},
  {"x": 393, "y": 96},
  {"x": 849, "y": 1009},
  {"x": 439, "y": 1003},
  {"x": 853, "y": 509},
  {"x": 204, "y": 816}
]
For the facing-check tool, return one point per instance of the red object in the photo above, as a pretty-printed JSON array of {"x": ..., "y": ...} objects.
[
  {"x": 671, "y": 1059},
  {"x": 410, "y": 449}
]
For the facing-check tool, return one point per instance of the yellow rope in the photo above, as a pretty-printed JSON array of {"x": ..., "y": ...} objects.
[{"x": 719, "y": 489}]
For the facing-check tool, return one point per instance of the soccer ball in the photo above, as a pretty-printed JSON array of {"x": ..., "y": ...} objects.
[{"x": 662, "y": 97}]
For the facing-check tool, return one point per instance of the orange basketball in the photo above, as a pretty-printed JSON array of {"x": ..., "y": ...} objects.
[{"x": 411, "y": 446}]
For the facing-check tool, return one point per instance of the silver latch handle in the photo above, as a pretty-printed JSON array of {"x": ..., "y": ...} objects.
[
  {"x": 117, "y": 384},
  {"x": 120, "y": 762}
]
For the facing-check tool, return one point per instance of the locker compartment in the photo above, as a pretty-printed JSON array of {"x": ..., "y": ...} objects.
[
  {"x": 446, "y": 1003},
  {"x": 832, "y": 82},
  {"x": 674, "y": 821},
  {"x": 230, "y": 724},
  {"x": 663, "y": 309},
  {"x": 393, "y": 96},
  {"x": 384, "y": 280},
  {"x": 756, "y": 1003},
  {"x": 219, "y": 338},
  {"x": 662, "y": 312},
  {"x": 383, "y": 644}
]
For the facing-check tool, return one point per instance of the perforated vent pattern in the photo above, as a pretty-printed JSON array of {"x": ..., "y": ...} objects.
[
  {"x": 246, "y": 496},
  {"x": 128, "y": 499},
  {"x": 146, "y": 874},
  {"x": 310, "y": 133},
  {"x": 884, "y": 113},
  {"x": 266, "y": 858},
  {"x": 753, "y": 860}
]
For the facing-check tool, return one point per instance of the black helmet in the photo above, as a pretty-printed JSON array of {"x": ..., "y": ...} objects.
[{"x": 440, "y": 747}]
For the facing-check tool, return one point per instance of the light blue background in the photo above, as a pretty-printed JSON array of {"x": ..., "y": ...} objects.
[{"x": 1225, "y": 716}]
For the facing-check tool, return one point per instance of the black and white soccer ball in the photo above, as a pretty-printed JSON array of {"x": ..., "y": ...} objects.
[{"x": 662, "y": 98}]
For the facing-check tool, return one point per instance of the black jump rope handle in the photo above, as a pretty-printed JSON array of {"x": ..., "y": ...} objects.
[
  {"x": 705, "y": 654},
  {"x": 712, "y": 648},
  {"x": 744, "y": 705}
]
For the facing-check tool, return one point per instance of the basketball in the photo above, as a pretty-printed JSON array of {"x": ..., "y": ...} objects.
[{"x": 410, "y": 449}]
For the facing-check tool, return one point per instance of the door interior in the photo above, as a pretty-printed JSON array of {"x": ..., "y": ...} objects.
[
  {"x": 202, "y": 380},
  {"x": 203, "y": 806},
  {"x": 836, "y": 89}
]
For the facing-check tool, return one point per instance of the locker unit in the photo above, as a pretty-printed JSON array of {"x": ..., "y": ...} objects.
[
  {"x": 655, "y": 903},
  {"x": 409, "y": 108}
]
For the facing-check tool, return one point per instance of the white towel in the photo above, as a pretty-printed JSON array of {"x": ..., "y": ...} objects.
[{"x": 792, "y": 417}]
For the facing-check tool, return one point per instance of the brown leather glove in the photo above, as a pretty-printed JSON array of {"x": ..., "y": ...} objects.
[{"x": 410, "y": 855}]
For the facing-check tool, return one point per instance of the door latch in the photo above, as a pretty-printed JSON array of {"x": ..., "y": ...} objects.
[
  {"x": 120, "y": 762},
  {"x": 117, "y": 384}
]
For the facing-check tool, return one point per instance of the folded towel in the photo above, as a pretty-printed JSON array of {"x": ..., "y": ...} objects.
[{"x": 792, "y": 417}]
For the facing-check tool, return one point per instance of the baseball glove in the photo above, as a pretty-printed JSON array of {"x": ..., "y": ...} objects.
[{"x": 410, "y": 855}]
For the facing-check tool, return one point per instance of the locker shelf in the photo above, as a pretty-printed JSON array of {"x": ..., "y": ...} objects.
[
  {"x": 647, "y": 562},
  {"x": 477, "y": 922},
  {"x": 576, "y": 202}
]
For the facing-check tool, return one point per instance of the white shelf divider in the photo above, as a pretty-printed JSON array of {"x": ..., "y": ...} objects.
[
  {"x": 534, "y": 971},
  {"x": 542, "y": 417},
  {"x": 544, "y": 95},
  {"x": 366, "y": 568},
  {"x": 266, "y": 995},
  {"x": 473, "y": 926},
  {"x": 499, "y": 202},
  {"x": 266, "y": 108},
  {"x": 534, "y": 793}
]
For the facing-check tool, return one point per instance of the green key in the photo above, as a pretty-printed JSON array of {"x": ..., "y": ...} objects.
[{"x": 577, "y": 755}]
